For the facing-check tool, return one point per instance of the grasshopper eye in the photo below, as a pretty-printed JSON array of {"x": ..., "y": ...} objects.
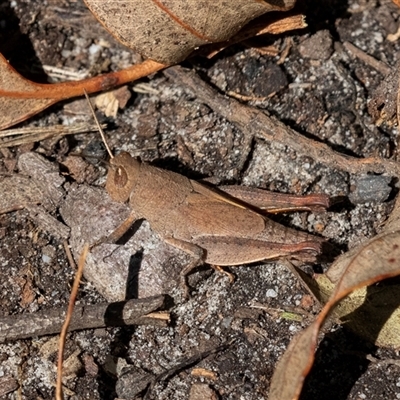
[{"x": 120, "y": 177}]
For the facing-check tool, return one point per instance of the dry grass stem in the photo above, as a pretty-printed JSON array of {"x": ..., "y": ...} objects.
[
  {"x": 64, "y": 330},
  {"x": 38, "y": 133}
]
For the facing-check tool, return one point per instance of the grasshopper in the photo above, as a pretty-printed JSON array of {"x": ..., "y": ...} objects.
[{"x": 218, "y": 226}]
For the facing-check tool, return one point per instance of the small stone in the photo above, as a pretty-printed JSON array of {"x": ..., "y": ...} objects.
[
  {"x": 306, "y": 302},
  {"x": 132, "y": 382},
  {"x": 48, "y": 254},
  {"x": 201, "y": 391},
  {"x": 319, "y": 227},
  {"x": 8, "y": 384},
  {"x": 95, "y": 152},
  {"x": 271, "y": 293},
  {"x": 318, "y": 46},
  {"x": 80, "y": 170},
  {"x": 90, "y": 365},
  {"x": 147, "y": 126},
  {"x": 370, "y": 189}
]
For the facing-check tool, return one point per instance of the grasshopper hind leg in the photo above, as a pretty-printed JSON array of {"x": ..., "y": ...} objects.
[{"x": 226, "y": 251}]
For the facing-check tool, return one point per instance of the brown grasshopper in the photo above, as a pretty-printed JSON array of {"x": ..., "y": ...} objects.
[
  {"x": 220, "y": 227},
  {"x": 209, "y": 223}
]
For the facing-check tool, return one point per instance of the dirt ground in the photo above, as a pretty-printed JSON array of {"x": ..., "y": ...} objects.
[{"x": 236, "y": 331}]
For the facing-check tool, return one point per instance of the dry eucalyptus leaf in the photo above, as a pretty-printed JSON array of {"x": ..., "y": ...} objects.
[
  {"x": 263, "y": 25},
  {"x": 372, "y": 313},
  {"x": 164, "y": 32},
  {"x": 17, "y": 109},
  {"x": 366, "y": 308},
  {"x": 169, "y": 30},
  {"x": 20, "y": 98},
  {"x": 369, "y": 263}
]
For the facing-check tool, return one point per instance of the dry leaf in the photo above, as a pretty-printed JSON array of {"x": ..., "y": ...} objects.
[
  {"x": 162, "y": 32},
  {"x": 28, "y": 294},
  {"x": 20, "y": 98},
  {"x": 366, "y": 310},
  {"x": 14, "y": 109},
  {"x": 109, "y": 102},
  {"x": 168, "y": 31},
  {"x": 263, "y": 25},
  {"x": 371, "y": 262}
]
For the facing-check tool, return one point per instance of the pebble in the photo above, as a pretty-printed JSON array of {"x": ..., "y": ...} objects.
[
  {"x": 318, "y": 46},
  {"x": 370, "y": 189},
  {"x": 271, "y": 293}
]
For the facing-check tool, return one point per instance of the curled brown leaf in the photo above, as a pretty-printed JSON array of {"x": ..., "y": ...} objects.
[
  {"x": 169, "y": 30},
  {"x": 369, "y": 263},
  {"x": 22, "y": 98}
]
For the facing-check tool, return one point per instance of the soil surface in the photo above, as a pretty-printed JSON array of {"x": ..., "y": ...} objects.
[{"x": 236, "y": 331}]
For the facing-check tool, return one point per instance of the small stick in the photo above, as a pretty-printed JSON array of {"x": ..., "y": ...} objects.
[
  {"x": 49, "y": 322},
  {"x": 255, "y": 123},
  {"x": 397, "y": 139},
  {"x": 243, "y": 97},
  {"x": 388, "y": 361},
  {"x": 184, "y": 364},
  {"x": 69, "y": 255},
  {"x": 64, "y": 330},
  {"x": 371, "y": 61}
]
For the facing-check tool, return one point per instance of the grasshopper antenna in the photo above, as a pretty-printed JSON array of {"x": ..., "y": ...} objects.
[{"x": 98, "y": 125}]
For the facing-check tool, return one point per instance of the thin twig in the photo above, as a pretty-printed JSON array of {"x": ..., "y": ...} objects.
[
  {"x": 388, "y": 361},
  {"x": 287, "y": 45},
  {"x": 101, "y": 315},
  {"x": 65, "y": 74},
  {"x": 397, "y": 150},
  {"x": 256, "y": 123},
  {"x": 243, "y": 97},
  {"x": 186, "y": 364},
  {"x": 69, "y": 255},
  {"x": 371, "y": 61},
  {"x": 64, "y": 330}
]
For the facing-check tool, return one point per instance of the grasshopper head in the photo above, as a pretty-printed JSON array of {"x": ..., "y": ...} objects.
[{"x": 122, "y": 176}]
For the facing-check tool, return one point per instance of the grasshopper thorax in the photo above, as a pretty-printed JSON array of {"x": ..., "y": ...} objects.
[{"x": 122, "y": 176}]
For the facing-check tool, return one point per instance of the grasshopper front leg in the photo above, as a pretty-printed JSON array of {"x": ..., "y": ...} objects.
[
  {"x": 114, "y": 236},
  {"x": 198, "y": 254}
]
